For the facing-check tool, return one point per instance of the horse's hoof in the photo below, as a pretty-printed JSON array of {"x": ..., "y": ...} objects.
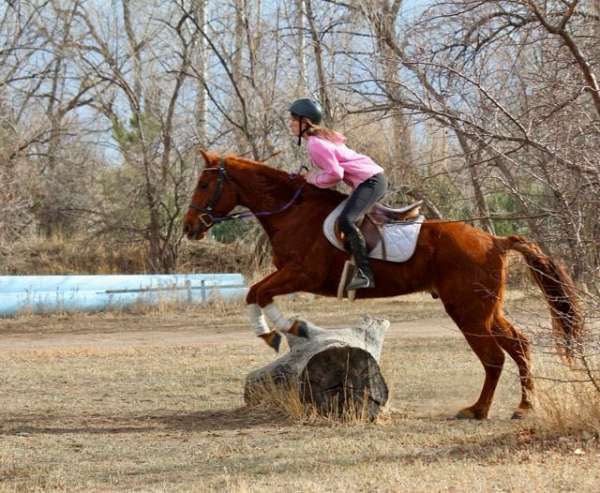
[
  {"x": 299, "y": 329},
  {"x": 520, "y": 413},
  {"x": 470, "y": 413},
  {"x": 272, "y": 339}
]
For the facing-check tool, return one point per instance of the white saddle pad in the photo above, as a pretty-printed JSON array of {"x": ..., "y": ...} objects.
[{"x": 400, "y": 238}]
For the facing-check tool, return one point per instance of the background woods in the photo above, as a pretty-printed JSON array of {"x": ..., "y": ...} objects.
[{"x": 488, "y": 110}]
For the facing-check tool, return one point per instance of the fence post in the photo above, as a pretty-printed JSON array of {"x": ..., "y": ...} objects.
[{"x": 188, "y": 287}]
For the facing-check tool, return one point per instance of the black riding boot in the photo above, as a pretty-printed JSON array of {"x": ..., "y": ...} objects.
[{"x": 363, "y": 276}]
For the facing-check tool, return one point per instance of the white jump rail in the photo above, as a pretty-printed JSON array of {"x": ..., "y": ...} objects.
[{"x": 47, "y": 294}]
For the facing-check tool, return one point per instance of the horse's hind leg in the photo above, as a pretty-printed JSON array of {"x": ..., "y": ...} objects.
[
  {"x": 476, "y": 325},
  {"x": 514, "y": 342}
]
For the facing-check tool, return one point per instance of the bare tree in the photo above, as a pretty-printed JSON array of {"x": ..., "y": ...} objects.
[
  {"x": 383, "y": 16},
  {"x": 138, "y": 91},
  {"x": 113, "y": 101}
]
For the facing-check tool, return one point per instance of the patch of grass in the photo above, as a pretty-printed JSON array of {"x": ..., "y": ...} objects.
[
  {"x": 285, "y": 399},
  {"x": 568, "y": 402}
]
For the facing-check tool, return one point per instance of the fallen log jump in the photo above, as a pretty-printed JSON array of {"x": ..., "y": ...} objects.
[{"x": 335, "y": 370}]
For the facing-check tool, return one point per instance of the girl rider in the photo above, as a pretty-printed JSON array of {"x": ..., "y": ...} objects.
[{"x": 334, "y": 162}]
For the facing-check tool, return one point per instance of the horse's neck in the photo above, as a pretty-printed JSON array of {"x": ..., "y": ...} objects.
[
  {"x": 266, "y": 191},
  {"x": 260, "y": 188}
]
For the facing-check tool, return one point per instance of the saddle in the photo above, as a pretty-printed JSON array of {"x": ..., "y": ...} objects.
[{"x": 379, "y": 216}]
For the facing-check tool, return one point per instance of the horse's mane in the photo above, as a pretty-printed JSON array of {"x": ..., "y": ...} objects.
[{"x": 258, "y": 169}]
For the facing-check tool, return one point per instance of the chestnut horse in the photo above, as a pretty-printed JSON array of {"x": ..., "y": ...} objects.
[{"x": 462, "y": 265}]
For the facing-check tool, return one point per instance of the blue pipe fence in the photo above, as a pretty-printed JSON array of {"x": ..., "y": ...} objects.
[{"x": 47, "y": 294}]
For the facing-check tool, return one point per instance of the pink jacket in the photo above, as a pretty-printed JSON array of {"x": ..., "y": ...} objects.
[{"x": 337, "y": 162}]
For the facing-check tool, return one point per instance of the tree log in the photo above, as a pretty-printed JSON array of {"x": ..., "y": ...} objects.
[{"x": 336, "y": 371}]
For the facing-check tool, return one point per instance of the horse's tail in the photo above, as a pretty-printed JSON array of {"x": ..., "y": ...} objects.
[{"x": 558, "y": 289}]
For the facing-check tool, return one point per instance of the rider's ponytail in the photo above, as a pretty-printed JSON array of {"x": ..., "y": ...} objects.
[{"x": 324, "y": 132}]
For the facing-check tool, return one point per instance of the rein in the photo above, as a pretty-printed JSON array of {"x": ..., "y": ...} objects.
[{"x": 207, "y": 211}]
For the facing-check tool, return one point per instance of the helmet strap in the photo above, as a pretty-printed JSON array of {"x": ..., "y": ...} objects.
[{"x": 301, "y": 130}]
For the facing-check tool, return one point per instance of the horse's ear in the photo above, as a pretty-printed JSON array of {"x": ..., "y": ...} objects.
[{"x": 208, "y": 156}]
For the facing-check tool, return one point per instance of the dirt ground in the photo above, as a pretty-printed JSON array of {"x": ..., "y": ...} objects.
[
  {"x": 170, "y": 331},
  {"x": 152, "y": 401}
]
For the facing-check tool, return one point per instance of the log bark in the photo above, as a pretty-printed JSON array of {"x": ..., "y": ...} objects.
[{"x": 336, "y": 371}]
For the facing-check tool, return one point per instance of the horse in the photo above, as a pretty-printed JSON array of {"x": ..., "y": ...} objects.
[{"x": 462, "y": 265}]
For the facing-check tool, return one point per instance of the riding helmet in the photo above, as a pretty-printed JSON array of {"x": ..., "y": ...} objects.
[{"x": 308, "y": 108}]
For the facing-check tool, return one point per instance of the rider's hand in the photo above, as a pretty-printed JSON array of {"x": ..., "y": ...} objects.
[
  {"x": 310, "y": 177},
  {"x": 300, "y": 172}
]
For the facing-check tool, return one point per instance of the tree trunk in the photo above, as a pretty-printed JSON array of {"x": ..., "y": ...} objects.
[
  {"x": 336, "y": 371},
  {"x": 199, "y": 55},
  {"x": 472, "y": 159},
  {"x": 301, "y": 84},
  {"x": 237, "y": 70},
  {"x": 324, "y": 94}
]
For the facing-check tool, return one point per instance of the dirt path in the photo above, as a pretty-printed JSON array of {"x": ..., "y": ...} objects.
[
  {"x": 413, "y": 316},
  {"x": 184, "y": 335}
]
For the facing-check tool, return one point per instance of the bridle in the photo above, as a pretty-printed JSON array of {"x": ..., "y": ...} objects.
[
  {"x": 207, "y": 210},
  {"x": 207, "y": 217}
]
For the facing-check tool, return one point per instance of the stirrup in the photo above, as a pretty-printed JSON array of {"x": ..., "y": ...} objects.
[{"x": 360, "y": 281}]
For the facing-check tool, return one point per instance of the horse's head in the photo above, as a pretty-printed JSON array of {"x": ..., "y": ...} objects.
[{"x": 213, "y": 198}]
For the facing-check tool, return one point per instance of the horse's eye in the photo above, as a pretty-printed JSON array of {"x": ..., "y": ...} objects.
[{"x": 202, "y": 186}]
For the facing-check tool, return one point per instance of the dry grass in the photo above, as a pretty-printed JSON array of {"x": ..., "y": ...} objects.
[
  {"x": 570, "y": 409},
  {"x": 153, "y": 402},
  {"x": 568, "y": 402},
  {"x": 70, "y": 256},
  {"x": 284, "y": 398},
  {"x": 84, "y": 255}
]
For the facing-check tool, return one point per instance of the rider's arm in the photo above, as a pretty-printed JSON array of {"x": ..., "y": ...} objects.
[{"x": 329, "y": 171}]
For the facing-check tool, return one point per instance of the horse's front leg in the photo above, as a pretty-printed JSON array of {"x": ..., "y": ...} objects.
[
  {"x": 257, "y": 318},
  {"x": 289, "y": 279}
]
